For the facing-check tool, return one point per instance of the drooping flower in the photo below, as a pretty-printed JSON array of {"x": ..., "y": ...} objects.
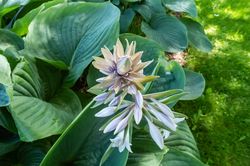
[{"x": 122, "y": 92}]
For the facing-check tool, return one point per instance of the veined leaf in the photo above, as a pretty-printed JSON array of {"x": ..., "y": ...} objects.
[
  {"x": 180, "y": 150},
  {"x": 40, "y": 106},
  {"x": 196, "y": 35},
  {"x": 195, "y": 85},
  {"x": 10, "y": 39},
  {"x": 83, "y": 144},
  {"x": 187, "y": 6},
  {"x": 145, "y": 155},
  {"x": 183, "y": 148},
  {"x": 66, "y": 37},
  {"x": 168, "y": 31}
]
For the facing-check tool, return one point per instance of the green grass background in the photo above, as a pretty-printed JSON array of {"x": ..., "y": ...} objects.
[{"x": 220, "y": 119}]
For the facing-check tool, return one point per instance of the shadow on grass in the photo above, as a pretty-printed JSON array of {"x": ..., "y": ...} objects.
[{"x": 220, "y": 119}]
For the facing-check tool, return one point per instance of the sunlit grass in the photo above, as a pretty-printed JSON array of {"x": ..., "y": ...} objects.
[{"x": 220, "y": 119}]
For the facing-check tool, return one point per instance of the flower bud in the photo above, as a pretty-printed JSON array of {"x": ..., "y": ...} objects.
[{"x": 123, "y": 65}]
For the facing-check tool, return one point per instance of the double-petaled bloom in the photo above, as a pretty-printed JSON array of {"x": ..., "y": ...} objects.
[{"x": 121, "y": 91}]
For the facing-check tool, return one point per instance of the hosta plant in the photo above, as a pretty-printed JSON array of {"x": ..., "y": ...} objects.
[{"x": 89, "y": 83}]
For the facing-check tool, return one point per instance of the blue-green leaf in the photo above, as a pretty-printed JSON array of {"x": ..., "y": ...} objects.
[
  {"x": 187, "y": 6},
  {"x": 196, "y": 35},
  {"x": 195, "y": 85},
  {"x": 40, "y": 106},
  {"x": 68, "y": 35},
  {"x": 83, "y": 144},
  {"x": 168, "y": 31}
]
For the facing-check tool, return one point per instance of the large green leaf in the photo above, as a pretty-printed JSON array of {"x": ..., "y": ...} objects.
[
  {"x": 10, "y": 39},
  {"x": 68, "y": 35},
  {"x": 168, "y": 31},
  {"x": 20, "y": 26},
  {"x": 196, "y": 35},
  {"x": 145, "y": 155},
  {"x": 82, "y": 143},
  {"x": 180, "y": 150},
  {"x": 183, "y": 148},
  {"x": 40, "y": 106},
  {"x": 187, "y": 6},
  {"x": 195, "y": 85},
  {"x": 179, "y": 158}
]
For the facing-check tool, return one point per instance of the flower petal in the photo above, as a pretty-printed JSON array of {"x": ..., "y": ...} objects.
[
  {"x": 166, "y": 134},
  {"x": 118, "y": 140},
  {"x": 101, "y": 97},
  {"x": 155, "y": 134},
  {"x": 141, "y": 66},
  {"x": 137, "y": 114},
  {"x": 122, "y": 124},
  {"x": 106, "y": 112},
  {"x": 136, "y": 58},
  {"x": 107, "y": 54},
  {"x": 139, "y": 99},
  {"x": 164, "y": 108},
  {"x": 127, "y": 141},
  {"x": 119, "y": 49},
  {"x": 130, "y": 49},
  {"x": 167, "y": 121},
  {"x": 113, "y": 124},
  {"x": 101, "y": 64},
  {"x": 115, "y": 101},
  {"x": 132, "y": 89},
  {"x": 177, "y": 120}
]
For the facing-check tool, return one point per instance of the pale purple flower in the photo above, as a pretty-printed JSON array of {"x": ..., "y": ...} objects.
[
  {"x": 155, "y": 134},
  {"x": 124, "y": 80}
]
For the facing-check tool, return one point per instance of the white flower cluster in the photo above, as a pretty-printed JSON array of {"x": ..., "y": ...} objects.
[{"x": 122, "y": 88}]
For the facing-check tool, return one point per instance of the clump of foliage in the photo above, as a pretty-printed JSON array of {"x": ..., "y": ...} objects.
[{"x": 47, "y": 116}]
